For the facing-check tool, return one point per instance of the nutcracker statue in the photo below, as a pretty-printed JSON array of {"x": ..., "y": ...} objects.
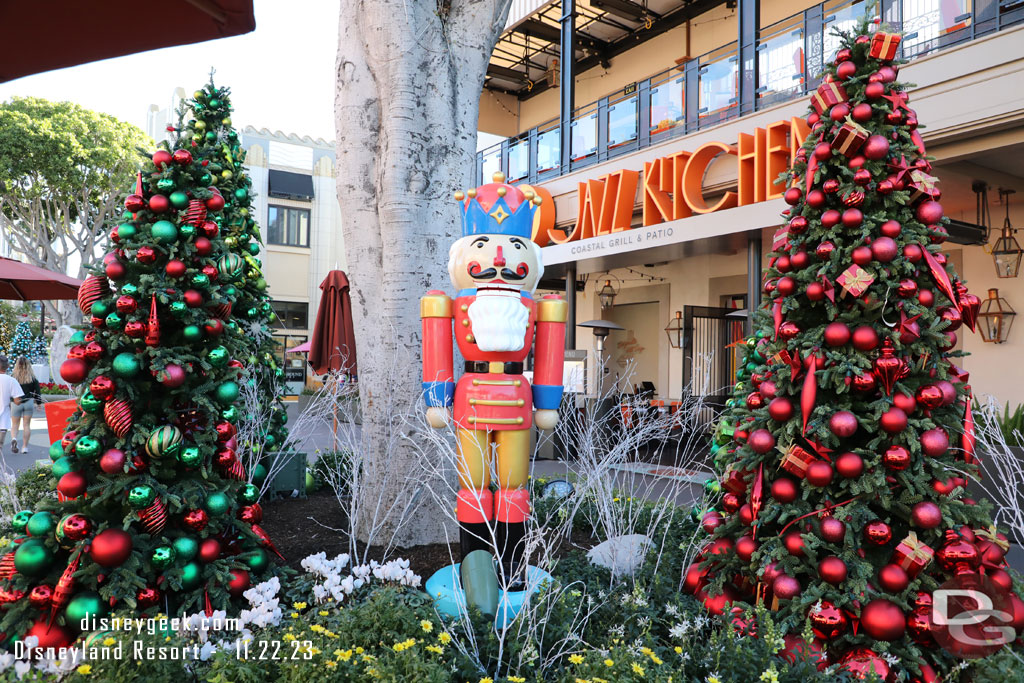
[{"x": 495, "y": 268}]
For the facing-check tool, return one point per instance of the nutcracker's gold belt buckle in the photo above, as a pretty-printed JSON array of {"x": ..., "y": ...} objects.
[{"x": 496, "y": 367}]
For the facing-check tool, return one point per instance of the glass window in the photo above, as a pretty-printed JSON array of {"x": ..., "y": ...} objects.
[
  {"x": 931, "y": 24},
  {"x": 844, "y": 16},
  {"x": 666, "y": 104},
  {"x": 622, "y": 119},
  {"x": 584, "y": 136},
  {"x": 717, "y": 87},
  {"x": 519, "y": 159},
  {"x": 548, "y": 152},
  {"x": 492, "y": 164},
  {"x": 781, "y": 63},
  {"x": 291, "y": 315},
  {"x": 288, "y": 226}
]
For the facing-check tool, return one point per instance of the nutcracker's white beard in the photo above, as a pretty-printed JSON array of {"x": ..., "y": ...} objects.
[{"x": 499, "y": 320}]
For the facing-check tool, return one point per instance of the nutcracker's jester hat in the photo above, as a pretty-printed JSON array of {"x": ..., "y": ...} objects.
[{"x": 498, "y": 209}]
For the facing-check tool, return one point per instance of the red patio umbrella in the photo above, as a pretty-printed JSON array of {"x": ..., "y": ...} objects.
[
  {"x": 333, "y": 343},
  {"x": 26, "y": 282},
  {"x": 53, "y": 34}
]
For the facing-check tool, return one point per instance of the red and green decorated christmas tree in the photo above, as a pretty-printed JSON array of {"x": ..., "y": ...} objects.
[
  {"x": 841, "y": 455},
  {"x": 154, "y": 512}
]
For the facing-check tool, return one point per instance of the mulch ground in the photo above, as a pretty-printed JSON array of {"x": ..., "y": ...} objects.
[{"x": 301, "y": 527}]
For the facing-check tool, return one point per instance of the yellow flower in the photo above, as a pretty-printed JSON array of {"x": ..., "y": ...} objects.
[
  {"x": 85, "y": 669},
  {"x": 330, "y": 665},
  {"x": 576, "y": 659},
  {"x": 654, "y": 658},
  {"x": 299, "y": 605},
  {"x": 295, "y": 615},
  {"x": 647, "y": 651},
  {"x": 444, "y": 637},
  {"x": 582, "y": 680},
  {"x": 108, "y": 641},
  {"x": 289, "y": 637},
  {"x": 679, "y": 650},
  {"x": 609, "y": 662},
  {"x": 486, "y": 679},
  {"x": 714, "y": 679},
  {"x": 359, "y": 650},
  {"x": 426, "y": 626},
  {"x": 343, "y": 656},
  {"x": 516, "y": 679},
  {"x": 638, "y": 670},
  {"x": 435, "y": 649},
  {"x": 323, "y": 613}
]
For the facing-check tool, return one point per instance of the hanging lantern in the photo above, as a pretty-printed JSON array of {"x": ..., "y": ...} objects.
[
  {"x": 606, "y": 295},
  {"x": 1007, "y": 252},
  {"x": 674, "y": 330},
  {"x": 996, "y": 318}
]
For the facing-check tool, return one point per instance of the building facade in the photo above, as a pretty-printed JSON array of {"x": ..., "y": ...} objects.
[{"x": 672, "y": 107}]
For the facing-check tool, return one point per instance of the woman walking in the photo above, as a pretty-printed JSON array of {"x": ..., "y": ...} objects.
[{"x": 22, "y": 412}]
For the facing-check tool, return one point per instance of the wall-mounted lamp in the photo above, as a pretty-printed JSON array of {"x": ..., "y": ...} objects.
[
  {"x": 674, "y": 330},
  {"x": 995, "y": 318},
  {"x": 1007, "y": 252}
]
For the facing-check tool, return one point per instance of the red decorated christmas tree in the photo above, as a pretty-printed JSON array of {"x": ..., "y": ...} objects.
[
  {"x": 154, "y": 512},
  {"x": 840, "y": 455}
]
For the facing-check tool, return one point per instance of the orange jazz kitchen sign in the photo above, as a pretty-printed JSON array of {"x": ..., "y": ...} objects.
[{"x": 672, "y": 187}]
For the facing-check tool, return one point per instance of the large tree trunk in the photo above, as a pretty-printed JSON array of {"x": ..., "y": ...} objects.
[{"x": 409, "y": 77}]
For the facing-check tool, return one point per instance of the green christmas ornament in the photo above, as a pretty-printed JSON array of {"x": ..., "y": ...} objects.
[
  {"x": 62, "y": 466},
  {"x": 241, "y": 194},
  {"x": 89, "y": 404},
  {"x": 187, "y": 231},
  {"x": 56, "y": 450},
  {"x": 165, "y": 184},
  {"x": 249, "y": 493},
  {"x": 77, "y": 338},
  {"x": 185, "y": 548},
  {"x": 32, "y": 558},
  {"x": 214, "y": 103},
  {"x": 190, "y": 456},
  {"x": 201, "y": 280},
  {"x": 40, "y": 524},
  {"x": 163, "y": 441},
  {"x": 129, "y": 289},
  {"x": 751, "y": 367},
  {"x": 178, "y": 308},
  {"x": 260, "y": 284},
  {"x": 164, "y": 232},
  {"x": 227, "y": 393},
  {"x": 696, "y": 514},
  {"x": 712, "y": 487},
  {"x": 199, "y": 125},
  {"x": 259, "y": 473},
  {"x": 84, "y": 606},
  {"x": 253, "y": 248},
  {"x": 162, "y": 557},
  {"x": 87, "y": 446},
  {"x": 114, "y": 321},
  {"x": 101, "y": 309},
  {"x": 279, "y": 373},
  {"x": 230, "y": 267},
  {"x": 179, "y": 199},
  {"x": 192, "y": 333},
  {"x": 211, "y": 135},
  {"x": 126, "y": 365},
  {"x": 230, "y": 414},
  {"x": 20, "y": 520},
  {"x": 310, "y": 482},
  {"x": 751, "y": 342},
  {"x": 230, "y": 291},
  {"x": 125, "y": 231},
  {"x": 141, "y": 496},
  {"x": 217, "y": 503},
  {"x": 205, "y": 179},
  {"x": 190, "y": 576},
  {"x": 270, "y": 440},
  {"x": 258, "y": 561}
]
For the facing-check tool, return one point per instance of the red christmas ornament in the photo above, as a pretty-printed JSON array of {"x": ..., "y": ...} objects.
[
  {"x": 262, "y": 535},
  {"x": 74, "y": 370},
  {"x": 147, "y": 597},
  {"x": 889, "y": 368},
  {"x": 253, "y": 514},
  {"x": 215, "y": 203},
  {"x": 213, "y": 327},
  {"x": 800, "y": 260},
  {"x": 145, "y": 255},
  {"x": 865, "y": 338},
  {"x": 929, "y": 212},
  {"x": 884, "y": 249},
  {"x": 850, "y": 465},
  {"x": 819, "y": 473},
  {"x": 153, "y": 325},
  {"x": 76, "y": 527},
  {"x": 893, "y": 421},
  {"x": 754, "y": 400},
  {"x": 815, "y": 291},
  {"x": 837, "y": 334},
  {"x": 830, "y": 186},
  {"x": 926, "y": 298},
  {"x": 159, "y": 203},
  {"x": 896, "y": 457},
  {"x": 785, "y": 286},
  {"x": 239, "y": 582},
  {"x": 196, "y": 520},
  {"x": 784, "y": 490},
  {"x": 830, "y": 218},
  {"x": 876, "y": 147},
  {"x": 958, "y": 554},
  {"x": 843, "y": 71},
  {"x": 209, "y": 229},
  {"x": 861, "y": 255},
  {"x": 873, "y": 91},
  {"x": 877, "y": 532},
  {"x": 203, "y": 246},
  {"x": 832, "y": 529},
  {"x": 92, "y": 289},
  {"x": 182, "y": 157},
  {"x": 865, "y": 382},
  {"x": 72, "y": 484},
  {"x": 175, "y": 268},
  {"x": 193, "y": 298},
  {"x": 40, "y": 596},
  {"x": 827, "y": 621},
  {"x": 161, "y": 158},
  {"x": 117, "y": 413},
  {"x": 823, "y": 151},
  {"x": 94, "y": 351},
  {"x": 883, "y": 620},
  {"x": 824, "y": 250},
  {"x": 926, "y": 515},
  {"x": 861, "y": 662},
  {"x": 934, "y": 442},
  {"x": 862, "y": 177},
  {"x": 785, "y": 587},
  {"x": 172, "y": 376},
  {"x": 843, "y": 424},
  {"x": 832, "y": 570},
  {"x": 852, "y": 218},
  {"x": 209, "y": 550},
  {"x": 102, "y": 387},
  {"x": 111, "y": 547},
  {"x": 135, "y": 329},
  {"x": 793, "y": 196},
  {"x": 154, "y": 517},
  {"x": 893, "y": 578},
  {"x": 815, "y": 199},
  {"x": 780, "y": 409},
  {"x": 50, "y": 635}
]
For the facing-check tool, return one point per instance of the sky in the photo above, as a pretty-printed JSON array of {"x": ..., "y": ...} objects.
[{"x": 281, "y": 75}]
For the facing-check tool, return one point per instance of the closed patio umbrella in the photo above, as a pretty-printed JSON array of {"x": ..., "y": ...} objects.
[
  {"x": 333, "y": 342},
  {"x": 25, "y": 282}
]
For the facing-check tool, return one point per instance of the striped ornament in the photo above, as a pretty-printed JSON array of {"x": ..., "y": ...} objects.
[
  {"x": 163, "y": 441},
  {"x": 91, "y": 290},
  {"x": 118, "y": 415}
]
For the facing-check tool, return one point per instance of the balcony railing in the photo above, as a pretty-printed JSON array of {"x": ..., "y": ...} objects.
[{"x": 705, "y": 91}]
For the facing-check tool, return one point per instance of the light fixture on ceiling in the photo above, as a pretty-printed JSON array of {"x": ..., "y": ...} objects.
[
  {"x": 1007, "y": 252},
  {"x": 606, "y": 295}
]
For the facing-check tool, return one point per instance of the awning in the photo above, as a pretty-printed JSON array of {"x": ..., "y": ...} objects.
[
  {"x": 301, "y": 348},
  {"x": 25, "y": 282},
  {"x": 41, "y": 36},
  {"x": 290, "y": 185}
]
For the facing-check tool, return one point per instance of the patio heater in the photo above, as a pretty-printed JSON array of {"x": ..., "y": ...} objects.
[{"x": 601, "y": 330}]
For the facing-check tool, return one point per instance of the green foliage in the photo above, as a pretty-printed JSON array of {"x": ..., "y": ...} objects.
[
  {"x": 1011, "y": 424},
  {"x": 333, "y": 466}
]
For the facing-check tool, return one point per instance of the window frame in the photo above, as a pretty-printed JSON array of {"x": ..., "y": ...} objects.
[{"x": 286, "y": 227}]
